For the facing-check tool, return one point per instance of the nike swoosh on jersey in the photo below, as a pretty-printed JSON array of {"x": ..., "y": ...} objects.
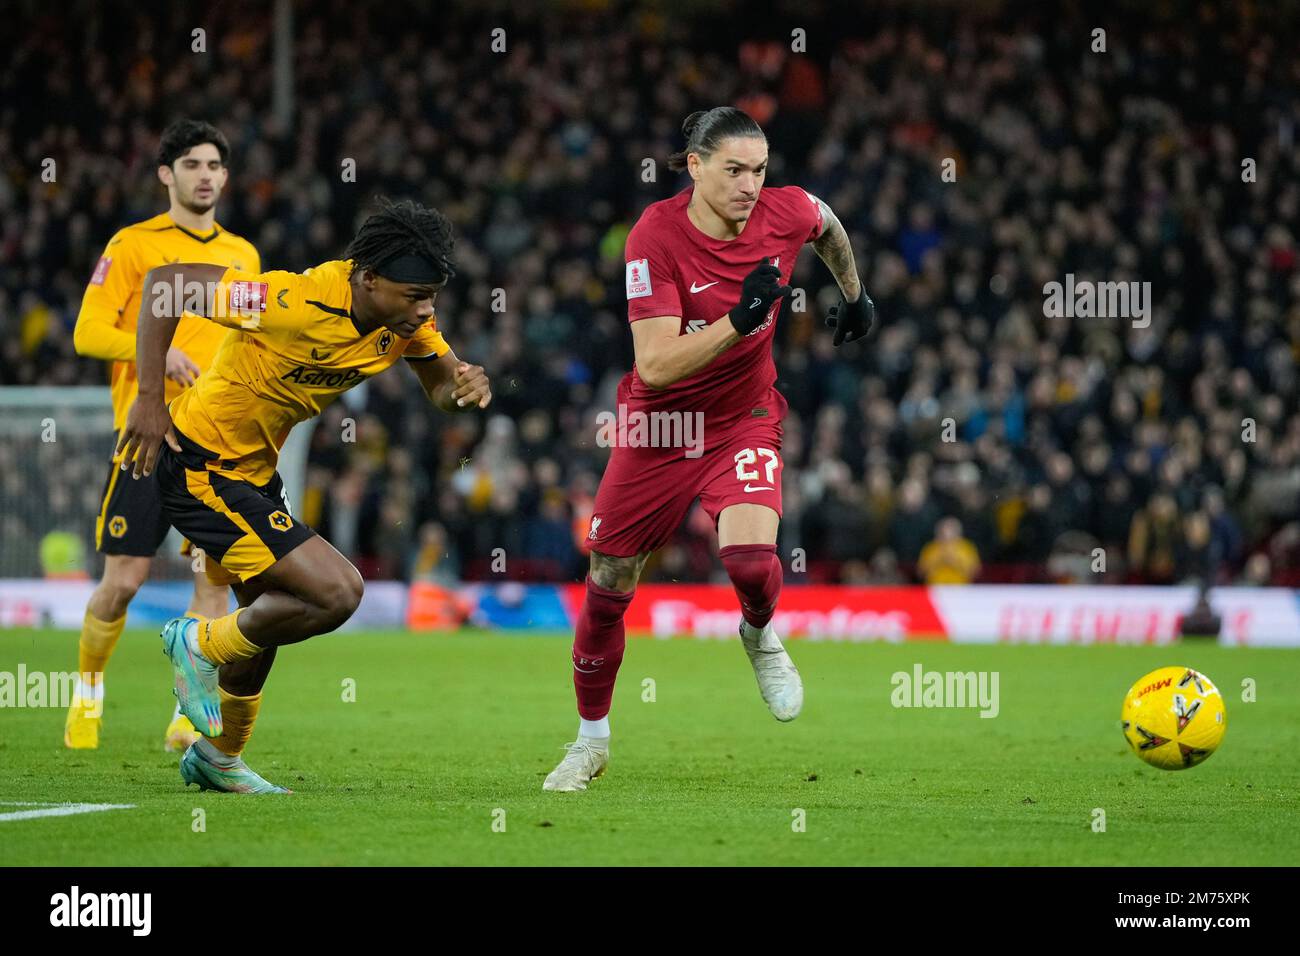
[
  {"x": 749, "y": 487},
  {"x": 703, "y": 287}
]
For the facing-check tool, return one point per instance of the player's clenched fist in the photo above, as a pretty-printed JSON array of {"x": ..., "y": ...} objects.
[
  {"x": 851, "y": 320},
  {"x": 470, "y": 386},
  {"x": 147, "y": 425},
  {"x": 760, "y": 289}
]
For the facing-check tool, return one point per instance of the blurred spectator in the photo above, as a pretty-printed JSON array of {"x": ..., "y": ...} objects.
[
  {"x": 884, "y": 570},
  {"x": 913, "y": 520},
  {"x": 1074, "y": 560},
  {"x": 1156, "y": 540},
  {"x": 1257, "y": 572},
  {"x": 63, "y": 556},
  {"x": 435, "y": 560},
  {"x": 949, "y": 558}
]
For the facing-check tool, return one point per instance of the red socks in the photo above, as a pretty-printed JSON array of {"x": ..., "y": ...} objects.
[
  {"x": 598, "y": 644},
  {"x": 756, "y": 574},
  {"x": 599, "y": 639}
]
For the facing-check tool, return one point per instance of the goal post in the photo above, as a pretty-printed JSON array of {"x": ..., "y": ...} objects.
[{"x": 55, "y": 446}]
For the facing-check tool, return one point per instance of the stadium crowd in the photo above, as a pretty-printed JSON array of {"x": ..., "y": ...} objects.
[{"x": 1169, "y": 159}]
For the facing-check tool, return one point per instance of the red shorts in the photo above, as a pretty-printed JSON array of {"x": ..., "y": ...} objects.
[{"x": 646, "y": 492}]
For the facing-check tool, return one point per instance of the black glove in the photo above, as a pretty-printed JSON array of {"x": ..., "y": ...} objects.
[
  {"x": 757, "y": 294},
  {"x": 852, "y": 320}
]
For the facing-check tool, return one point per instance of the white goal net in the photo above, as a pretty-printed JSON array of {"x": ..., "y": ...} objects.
[{"x": 55, "y": 448}]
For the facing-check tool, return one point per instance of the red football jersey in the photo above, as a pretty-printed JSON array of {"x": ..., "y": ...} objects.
[{"x": 675, "y": 269}]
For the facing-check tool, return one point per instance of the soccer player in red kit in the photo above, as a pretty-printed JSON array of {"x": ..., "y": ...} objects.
[{"x": 705, "y": 277}]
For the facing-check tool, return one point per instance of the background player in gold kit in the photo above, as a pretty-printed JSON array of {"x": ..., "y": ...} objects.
[
  {"x": 300, "y": 341},
  {"x": 192, "y": 164}
]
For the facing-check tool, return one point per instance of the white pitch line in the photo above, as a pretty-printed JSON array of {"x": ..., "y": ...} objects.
[{"x": 56, "y": 809}]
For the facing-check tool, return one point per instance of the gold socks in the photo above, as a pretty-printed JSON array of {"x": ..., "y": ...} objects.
[
  {"x": 221, "y": 642},
  {"x": 98, "y": 638},
  {"x": 238, "y": 714}
]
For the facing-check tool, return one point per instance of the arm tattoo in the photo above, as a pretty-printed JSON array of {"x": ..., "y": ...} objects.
[{"x": 836, "y": 251}]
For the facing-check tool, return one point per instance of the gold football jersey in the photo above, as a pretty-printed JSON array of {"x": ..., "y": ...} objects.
[
  {"x": 294, "y": 349},
  {"x": 111, "y": 304}
]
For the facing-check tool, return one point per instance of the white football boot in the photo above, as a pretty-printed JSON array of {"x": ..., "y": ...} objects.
[
  {"x": 586, "y": 760},
  {"x": 778, "y": 678}
]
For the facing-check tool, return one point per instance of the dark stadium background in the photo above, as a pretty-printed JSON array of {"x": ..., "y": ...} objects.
[{"x": 1073, "y": 434}]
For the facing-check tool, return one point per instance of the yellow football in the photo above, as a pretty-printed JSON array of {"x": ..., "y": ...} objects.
[{"x": 1174, "y": 718}]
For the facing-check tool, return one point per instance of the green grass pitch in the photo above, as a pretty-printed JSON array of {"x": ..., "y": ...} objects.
[{"x": 448, "y": 731}]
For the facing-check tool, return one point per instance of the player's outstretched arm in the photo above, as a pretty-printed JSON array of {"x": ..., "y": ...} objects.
[
  {"x": 168, "y": 291},
  {"x": 853, "y": 317},
  {"x": 453, "y": 385}
]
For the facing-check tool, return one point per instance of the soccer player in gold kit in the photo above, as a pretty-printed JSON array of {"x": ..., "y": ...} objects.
[
  {"x": 297, "y": 342},
  {"x": 192, "y": 164}
]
